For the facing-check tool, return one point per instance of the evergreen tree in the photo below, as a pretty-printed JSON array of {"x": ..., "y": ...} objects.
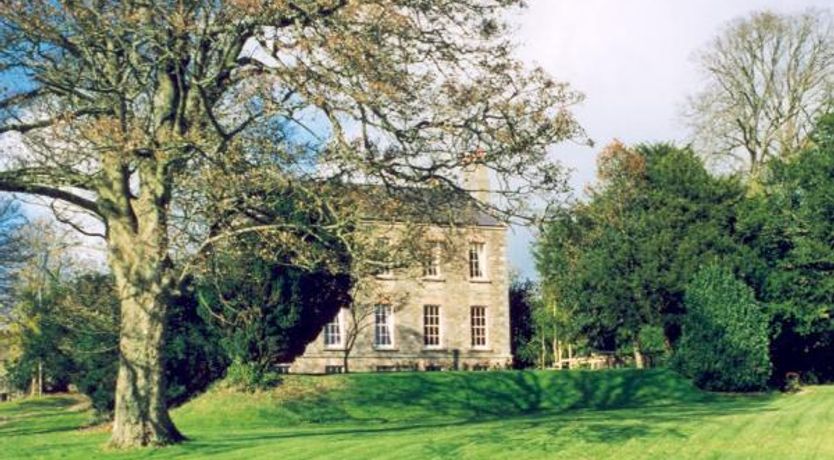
[
  {"x": 620, "y": 262},
  {"x": 724, "y": 344},
  {"x": 788, "y": 235}
]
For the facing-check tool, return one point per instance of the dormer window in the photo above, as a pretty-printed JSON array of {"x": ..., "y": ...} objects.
[{"x": 477, "y": 261}]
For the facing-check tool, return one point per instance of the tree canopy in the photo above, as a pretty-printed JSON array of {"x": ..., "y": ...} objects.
[
  {"x": 787, "y": 232},
  {"x": 620, "y": 261},
  {"x": 624, "y": 262}
]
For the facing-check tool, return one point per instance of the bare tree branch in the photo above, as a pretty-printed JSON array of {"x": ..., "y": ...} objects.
[
  {"x": 20, "y": 181},
  {"x": 768, "y": 77}
]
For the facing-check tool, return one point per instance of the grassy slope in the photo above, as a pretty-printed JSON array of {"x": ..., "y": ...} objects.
[{"x": 613, "y": 414}]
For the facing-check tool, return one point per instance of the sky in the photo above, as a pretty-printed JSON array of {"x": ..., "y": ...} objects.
[{"x": 633, "y": 60}]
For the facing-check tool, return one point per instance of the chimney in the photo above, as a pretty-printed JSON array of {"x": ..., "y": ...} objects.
[{"x": 476, "y": 181}]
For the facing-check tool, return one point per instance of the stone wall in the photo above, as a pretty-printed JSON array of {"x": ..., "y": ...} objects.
[{"x": 408, "y": 292}]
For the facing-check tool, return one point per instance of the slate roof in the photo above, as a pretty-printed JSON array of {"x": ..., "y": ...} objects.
[{"x": 425, "y": 205}]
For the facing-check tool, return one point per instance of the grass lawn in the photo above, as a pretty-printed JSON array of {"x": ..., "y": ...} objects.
[{"x": 574, "y": 415}]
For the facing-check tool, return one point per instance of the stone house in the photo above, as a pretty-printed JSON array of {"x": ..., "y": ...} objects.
[{"x": 449, "y": 312}]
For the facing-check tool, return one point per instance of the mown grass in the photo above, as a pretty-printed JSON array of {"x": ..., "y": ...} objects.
[{"x": 576, "y": 415}]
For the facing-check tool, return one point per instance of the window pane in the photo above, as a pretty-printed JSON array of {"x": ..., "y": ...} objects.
[
  {"x": 478, "y": 318},
  {"x": 382, "y": 326},
  {"x": 476, "y": 260},
  {"x": 431, "y": 325},
  {"x": 333, "y": 332}
]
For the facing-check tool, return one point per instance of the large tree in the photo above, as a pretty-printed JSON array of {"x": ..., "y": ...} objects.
[
  {"x": 619, "y": 263},
  {"x": 787, "y": 233},
  {"x": 767, "y": 78},
  {"x": 171, "y": 122}
]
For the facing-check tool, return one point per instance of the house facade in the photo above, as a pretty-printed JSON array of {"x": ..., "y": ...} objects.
[{"x": 450, "y": 312}]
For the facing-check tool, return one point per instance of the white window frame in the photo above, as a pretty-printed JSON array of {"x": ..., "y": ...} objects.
[
  {"x": 477, "y": 264},
  {"x": 339, "y": 322},
  {"x": 482, "y": 323},
  {"x": 437, "y": 325},
  {"x": 387, "y": 325}
]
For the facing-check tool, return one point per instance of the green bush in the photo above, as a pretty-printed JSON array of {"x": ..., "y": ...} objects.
[
  {"x": 792, "y": 383},
  {"x": 192, "y": 357},
  {"x": 724, "y": 342},
  {"x": 653, "y": 345},
  {"x": 249, "y": 376}
]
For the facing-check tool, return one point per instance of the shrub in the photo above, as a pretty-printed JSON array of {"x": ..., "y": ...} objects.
[
  {"x": 724, "y": 342},
  {"x": 653, "y": 345},
  {"x": 792, "y": 383},
  {"x": 249, "y": 376},
  {"x": 95, "y": 376}
]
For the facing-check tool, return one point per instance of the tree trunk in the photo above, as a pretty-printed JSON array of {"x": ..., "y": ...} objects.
[
  {"x": 141, "y": 416},
  {"x": 351, "y": 333},
  {"x": 561, "y": 354},
  {"x": 138, "y": 256}
]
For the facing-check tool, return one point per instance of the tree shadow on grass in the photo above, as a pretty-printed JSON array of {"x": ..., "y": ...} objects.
[
  {"x": 555, "y": 430},
  {"x": 506, "y": 409},
  {"x": 490, "y": 395},
  {"x": 53, "y": 402},
  {"x": 37, "y": 416}
]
